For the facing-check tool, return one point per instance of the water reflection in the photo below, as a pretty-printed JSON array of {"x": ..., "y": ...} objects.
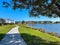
[{"x": 48, "y": 27}]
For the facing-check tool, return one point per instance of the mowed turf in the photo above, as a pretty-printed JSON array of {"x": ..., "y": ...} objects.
[
  {"x": 4, "y": 29},
  {"x": 35, "y": 37}
]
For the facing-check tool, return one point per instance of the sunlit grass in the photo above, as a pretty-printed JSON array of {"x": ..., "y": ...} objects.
[
  {"x": 35, "y": 37},
  {"x": 4, "y": 29}
]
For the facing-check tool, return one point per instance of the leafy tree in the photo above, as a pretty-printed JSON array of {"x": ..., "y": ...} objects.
[
  {"x": 23, "y": 22},
  {"x": 50, "y": 8}
]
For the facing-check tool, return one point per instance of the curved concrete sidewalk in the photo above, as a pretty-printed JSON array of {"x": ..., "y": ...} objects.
[{"x": 13, "y": 37}]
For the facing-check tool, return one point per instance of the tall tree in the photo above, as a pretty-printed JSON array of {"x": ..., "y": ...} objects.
[
  {"x": 50, "y": 8},
  {"x": 23, "y": 21}
]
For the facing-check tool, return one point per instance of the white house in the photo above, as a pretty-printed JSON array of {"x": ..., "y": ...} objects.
[{"x": 7, "y": 21}]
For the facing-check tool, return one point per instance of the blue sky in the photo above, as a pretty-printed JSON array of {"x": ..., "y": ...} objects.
[{"x": 18, "y": 15}]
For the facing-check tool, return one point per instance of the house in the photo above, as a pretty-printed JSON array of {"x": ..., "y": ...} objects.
[
  {"x": 9, "y": 21},
  {"x": 2, "y": 20},
  {"x": 6, "y": 21}
]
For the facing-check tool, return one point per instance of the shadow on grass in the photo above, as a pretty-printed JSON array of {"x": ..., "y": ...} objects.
[
  {"x": 30, "y": 39},
  {"x": 1, "y": 36},
  {"x": 34, "y": 40}
]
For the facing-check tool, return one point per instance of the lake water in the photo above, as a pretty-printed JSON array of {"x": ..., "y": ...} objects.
[{"x": 48, "y": 27}]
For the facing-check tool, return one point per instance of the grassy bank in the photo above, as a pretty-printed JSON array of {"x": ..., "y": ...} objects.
[
  {"x": 35, "y": 37},
  {"x": 4, "y": 29}
]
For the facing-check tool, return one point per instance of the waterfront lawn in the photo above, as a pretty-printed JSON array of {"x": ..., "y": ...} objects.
[
  {"x": 35, "y": 37},
  {"x": 4, "y": 29}
]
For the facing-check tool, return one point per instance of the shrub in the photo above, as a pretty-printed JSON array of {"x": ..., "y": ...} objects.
[
  {"x": 42, "y": 30},
  {"x": 53, "y": 33}
]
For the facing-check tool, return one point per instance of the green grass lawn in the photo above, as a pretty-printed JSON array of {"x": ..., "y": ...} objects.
[
  {"x": 35, "y": 37},
  {"x": 4, "y": 29}
]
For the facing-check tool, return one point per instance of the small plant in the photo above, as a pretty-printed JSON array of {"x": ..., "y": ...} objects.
[{"x": 42, "y": 30}]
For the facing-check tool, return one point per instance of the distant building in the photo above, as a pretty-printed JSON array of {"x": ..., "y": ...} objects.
[
  {"x": 7, "y": 21},
  {"x": 2, "y": 20}
]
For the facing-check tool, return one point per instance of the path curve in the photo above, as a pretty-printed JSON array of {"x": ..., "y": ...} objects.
[{"x": 13, "y": 37}]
